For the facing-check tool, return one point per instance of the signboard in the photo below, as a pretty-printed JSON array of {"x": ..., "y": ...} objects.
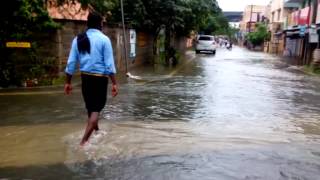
[
  {"x": 162, "y": 39},
  {"x": 18, "y": 45},
  {"x": 295, "y": 18},
  {"x": 133, "y": 36},
  {"x": 133, "y": 42},
  {"x": 318, "y": 13},
  {"x": 302, "y": 30},
  {"x": 313, "y": 35},
  {"x": 285, "y": 23},
  {"x": 304, "y": 18},
  {"x": 254, "y": 17}
]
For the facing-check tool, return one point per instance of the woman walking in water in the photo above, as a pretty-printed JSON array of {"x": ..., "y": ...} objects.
[{"x": 93, "y": 51}]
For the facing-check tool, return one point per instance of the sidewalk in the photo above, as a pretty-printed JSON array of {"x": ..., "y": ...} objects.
[
  {"x": 76, "y": 80},
  {"x": 54, "y": 89},
  {"x": 293, "y": 62}
]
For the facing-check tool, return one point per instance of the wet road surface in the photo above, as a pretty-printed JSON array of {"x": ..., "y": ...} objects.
[{"x": 236, "y": 115}]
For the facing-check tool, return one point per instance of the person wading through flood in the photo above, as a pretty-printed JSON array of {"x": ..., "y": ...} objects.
[{"x": 93, "y": 51}]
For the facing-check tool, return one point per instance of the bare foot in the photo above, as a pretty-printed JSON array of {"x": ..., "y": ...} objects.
[
  {"x": 95, "y": 132},
  {"x": 96, "y": 128},
  {"x": 83, "y": 143}
]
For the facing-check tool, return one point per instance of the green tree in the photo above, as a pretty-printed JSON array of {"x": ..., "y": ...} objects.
[
  {"x": 259, "y": 35},
  {"x": 20, "y": 19},
  {"x": 217, "y": 24},
  {"x": 178, "y": 17}
]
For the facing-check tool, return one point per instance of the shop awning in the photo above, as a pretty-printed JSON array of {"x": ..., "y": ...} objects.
[
  {"x": 294, "y": 32},
  {"x": 292, "y": 29}
]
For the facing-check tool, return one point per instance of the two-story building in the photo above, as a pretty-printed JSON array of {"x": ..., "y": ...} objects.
[
  {"x": 279, "y": 11},
  {"x": 251, "y": 16},
  {"x": 301, "y": 36}
]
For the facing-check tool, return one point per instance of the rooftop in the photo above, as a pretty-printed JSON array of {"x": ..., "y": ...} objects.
[{"x": 69, "y": 10}]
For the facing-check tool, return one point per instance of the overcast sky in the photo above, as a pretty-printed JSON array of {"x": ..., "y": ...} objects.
[{"x": 238, "y": 5}]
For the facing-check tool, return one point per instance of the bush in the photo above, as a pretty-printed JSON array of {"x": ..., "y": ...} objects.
[
  {"x": 257, "y": 37},
  {"x": 21, "y": 20}
]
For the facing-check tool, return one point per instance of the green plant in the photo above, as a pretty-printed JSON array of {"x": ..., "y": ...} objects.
[
  {"x": 259, "y": 35},
  {"x": 21, "y": 20},
  {"x": 58, "y": 80},
  {"x": 176, "y": 17},
  {"x": 311, "y": 69}
]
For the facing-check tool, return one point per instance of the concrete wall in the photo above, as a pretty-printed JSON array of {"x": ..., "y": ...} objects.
[
  {"x": 70, "y": 29},
  {"x": 47, "y": 58},
  {"x": 49, "y": 54},
  {"x": 144, "y": 44}
]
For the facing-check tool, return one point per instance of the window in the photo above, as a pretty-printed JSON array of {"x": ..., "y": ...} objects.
[
  {"x": 279, "y": 14},
  {"x": 258, "y": 17},
  {"x": 205, "y": 38},
  {"x": 272, "y": 19}
]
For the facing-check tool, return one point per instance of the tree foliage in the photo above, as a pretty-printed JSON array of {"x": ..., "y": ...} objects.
[
  {"x": 259, "y": 35},
  {"x": 217, "y": 25},
  {"x": 23, "y": 18},
  {"x": 20, "y": 18},
  {"x": 181, "y": 16},
  {"x": 178, "y": 17}
]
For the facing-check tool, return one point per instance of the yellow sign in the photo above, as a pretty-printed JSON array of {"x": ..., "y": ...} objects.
[{"x": 18, "y": 45}]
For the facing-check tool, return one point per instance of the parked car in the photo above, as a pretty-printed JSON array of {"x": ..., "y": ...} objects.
[{"x": 206, "y": 43}]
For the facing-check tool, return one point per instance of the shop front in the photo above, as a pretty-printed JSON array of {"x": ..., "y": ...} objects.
[
  {"x": 297, "y": 36},
  {"x": 318, "y": 22}
]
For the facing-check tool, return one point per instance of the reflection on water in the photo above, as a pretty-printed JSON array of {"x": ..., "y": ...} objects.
[
  {"x": 236, "y": 115},
  {"x": 159, "y": 150}
]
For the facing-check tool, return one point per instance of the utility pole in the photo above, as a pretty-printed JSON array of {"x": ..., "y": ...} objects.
[
  {"x": 124, "y": 37},
  {"x": 250, "y": 18}
]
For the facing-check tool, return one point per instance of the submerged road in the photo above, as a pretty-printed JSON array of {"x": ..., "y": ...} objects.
[{"x": 236, "y": 115}]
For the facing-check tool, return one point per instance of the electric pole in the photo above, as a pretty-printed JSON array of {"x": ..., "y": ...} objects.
[
  {"x": 124, "y": 37},
  {"x": 250, "y": 18}
]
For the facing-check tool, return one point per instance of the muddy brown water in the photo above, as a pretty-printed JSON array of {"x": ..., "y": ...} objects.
[{"x": 235, "y": 115}]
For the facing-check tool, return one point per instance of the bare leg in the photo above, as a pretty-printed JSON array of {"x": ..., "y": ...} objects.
[
  {"x": 92, "y": 125},
  {"x": 96, "y": 128}
]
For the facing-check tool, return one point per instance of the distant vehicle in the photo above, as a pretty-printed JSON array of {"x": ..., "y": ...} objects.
[
  {"x": 229, "y": 46},
  {"x": 206, "y": 43}
]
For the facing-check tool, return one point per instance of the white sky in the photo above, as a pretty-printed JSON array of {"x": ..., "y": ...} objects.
[{"x": 239, "y": 5}]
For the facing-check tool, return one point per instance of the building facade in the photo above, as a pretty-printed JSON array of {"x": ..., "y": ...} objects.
[
  {"x": 279, "y": 11},
  {"x": 252, "y": 15},
  {"x": 301, "y": 30},
  {"x": 294, "y": 26}
]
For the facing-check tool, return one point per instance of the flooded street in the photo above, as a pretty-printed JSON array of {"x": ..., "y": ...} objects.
[{"x": 238, "y": 115}]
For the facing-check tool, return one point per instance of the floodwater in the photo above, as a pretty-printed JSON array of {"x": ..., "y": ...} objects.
[{"x": 238, "y": 115}]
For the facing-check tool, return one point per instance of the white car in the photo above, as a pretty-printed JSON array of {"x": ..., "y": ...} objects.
[{"x": 206, "y": 43}]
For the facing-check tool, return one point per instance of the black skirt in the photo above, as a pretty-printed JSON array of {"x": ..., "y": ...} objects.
[{"x": 94, "y": 92}]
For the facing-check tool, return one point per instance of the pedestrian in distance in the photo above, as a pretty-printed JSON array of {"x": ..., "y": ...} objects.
[
  {"x": 93, "y": 51},
  {"x": 229, "y": 47}
]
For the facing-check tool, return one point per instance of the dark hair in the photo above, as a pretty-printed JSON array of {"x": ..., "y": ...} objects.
[
  {"x": 94, "y": 22},
  {"x": 83, "y": 43}
]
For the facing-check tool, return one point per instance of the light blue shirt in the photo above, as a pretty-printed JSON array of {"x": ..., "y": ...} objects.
[{"x": 99, "y": 61}]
